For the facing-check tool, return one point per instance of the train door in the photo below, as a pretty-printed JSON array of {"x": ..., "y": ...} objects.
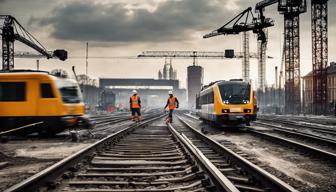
[{"x": 48, "y": 100}]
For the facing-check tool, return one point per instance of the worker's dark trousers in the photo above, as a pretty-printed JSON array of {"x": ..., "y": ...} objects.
[{"x": 170, "y": 115}]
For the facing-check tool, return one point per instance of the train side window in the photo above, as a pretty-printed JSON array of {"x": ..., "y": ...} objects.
[
  {"x": 212, "y": 99},
  {"x": 12, "y": 91},
  {"x": 46, "y": 90}
]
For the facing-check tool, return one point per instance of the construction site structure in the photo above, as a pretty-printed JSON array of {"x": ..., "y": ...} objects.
[
  {"x": 291, "y": 11},
  {"x": 12, "y": 30},
  {"x": 319, "y": 22},
  {"x": 262, "y": 46},
  {"x": 242, "y": 23}
]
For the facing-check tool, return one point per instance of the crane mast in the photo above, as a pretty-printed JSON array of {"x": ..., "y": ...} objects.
[
  {"x": 246, "y": 56},
  {"x": 319, "y": 19}
]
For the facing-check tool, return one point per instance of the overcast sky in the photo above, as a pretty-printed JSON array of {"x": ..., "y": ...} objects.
[{"x": 126, "y": 28}]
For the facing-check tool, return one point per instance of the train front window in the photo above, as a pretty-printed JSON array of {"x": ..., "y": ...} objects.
[
  {"x": 235, "y": 93},
  {"x": 69, "y": 90}
]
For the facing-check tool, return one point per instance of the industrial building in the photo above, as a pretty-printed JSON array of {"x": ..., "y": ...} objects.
[
  {"x": 331, "y": 90},
  {"x": 153, "y": 92}
]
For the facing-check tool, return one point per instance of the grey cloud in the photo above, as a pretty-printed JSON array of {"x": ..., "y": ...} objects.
[{"x": 170, "y": 21}]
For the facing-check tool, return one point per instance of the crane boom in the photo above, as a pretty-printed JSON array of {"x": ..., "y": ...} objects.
[
  {"x": 262, "y": 4},
  {"x": 195, "y": 54},
  {"x": 244, "y": 21}
]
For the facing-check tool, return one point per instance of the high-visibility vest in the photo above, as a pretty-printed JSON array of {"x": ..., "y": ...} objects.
[
  {"x": 135, "y": 101},
  {"x": 172, "y": 102}
]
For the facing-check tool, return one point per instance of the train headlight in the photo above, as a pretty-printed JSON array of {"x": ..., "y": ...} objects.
[
  {"x": 226, "y": 101},
  {"x": 226, "y": 110},
  {"x": 246, "y": 101},
  {"x": 247, "y": 110}
]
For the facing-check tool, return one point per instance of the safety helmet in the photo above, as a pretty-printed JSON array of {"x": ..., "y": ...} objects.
[
  {"x": 170, "y": 92},
  {"x": 134, "y": 91}
]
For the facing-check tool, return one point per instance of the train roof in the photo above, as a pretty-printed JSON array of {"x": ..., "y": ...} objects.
[
  {"x": 231, "y": 81},
  {"x": 15, "y": 71},
  {"x": 17, "y": 74}
]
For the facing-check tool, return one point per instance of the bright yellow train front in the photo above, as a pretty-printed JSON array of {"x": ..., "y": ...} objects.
[
  {"x": 227, "y": 103},
  {"x": 31, "y": 96}
]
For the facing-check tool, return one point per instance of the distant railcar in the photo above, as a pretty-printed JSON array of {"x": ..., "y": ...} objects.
[
  {"x": 107, "y": 100},
  {"x": 33, "y": 96},
  {"x": 227, "y": 103}
]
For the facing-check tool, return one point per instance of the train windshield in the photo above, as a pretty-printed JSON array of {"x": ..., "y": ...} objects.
[
  {"x": 235, "y": 93},
  {"x": 69, "y": 90}
]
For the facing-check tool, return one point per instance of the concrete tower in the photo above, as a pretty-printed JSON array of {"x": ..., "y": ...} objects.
[{"x": 195, "y": 81}]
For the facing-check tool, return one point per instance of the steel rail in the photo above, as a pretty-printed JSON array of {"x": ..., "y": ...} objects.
[
  {"x": 306, "y": 148},
  {"x": 20, "y": 128},
  {"x": 295, "y": 132},
  {"x": 223, "y": 182},
  {"x": 314, "y": 120},
  {"x": 263, "y": 176},
  {"x": 314, "y": 128},
  {"x": 50, "y": 174}
]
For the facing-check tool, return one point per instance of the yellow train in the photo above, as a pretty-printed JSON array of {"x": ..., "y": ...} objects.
[
  {"x": 227, "y": 103},
  {"x": 33, "y": 96}
]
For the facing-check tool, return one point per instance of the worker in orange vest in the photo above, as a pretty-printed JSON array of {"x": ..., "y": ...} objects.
[
  {"x": 135, "y": 105},
  {"x": 172, "y": 104}
]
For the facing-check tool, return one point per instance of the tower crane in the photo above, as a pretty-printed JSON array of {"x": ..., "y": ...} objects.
[
  {"x": 244, "y": 22},
  {"x": 319, "y": 19},
  {"x": 12, "y": 30},
  {"x": 291, "y": 9}
]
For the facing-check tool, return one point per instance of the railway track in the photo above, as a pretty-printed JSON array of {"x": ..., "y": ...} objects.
[
  {"x": 245, "y": 175},
  {"x": 322, "y": 149},
  {"x": 20, "y": 128},
  {"x": 331, "y": 130},
  {"x": 296, "y": 133},
  {"x": 329, "y": 121},
  {"x": 112, "y": 124},
  {"x": 317, "y": 146},
  {"x": 137, "y": 158}
]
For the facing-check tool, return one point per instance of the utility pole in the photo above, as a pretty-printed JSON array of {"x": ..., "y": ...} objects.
[
  {"x": 86, "y": 60},
  {"x": 86, "y": 72},
  {"x": 37, "y": 64},
  {"x": 275, "y": 89}
]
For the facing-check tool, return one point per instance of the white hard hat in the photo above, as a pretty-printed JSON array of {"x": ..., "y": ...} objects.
[
  {"x": 170, "y": 92},
  {"x": 134, "y": 91}
]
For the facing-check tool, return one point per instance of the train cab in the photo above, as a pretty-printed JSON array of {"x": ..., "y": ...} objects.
[
  {"x": 28, "y": 97},
  {"x": 227, "y": 103}
]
